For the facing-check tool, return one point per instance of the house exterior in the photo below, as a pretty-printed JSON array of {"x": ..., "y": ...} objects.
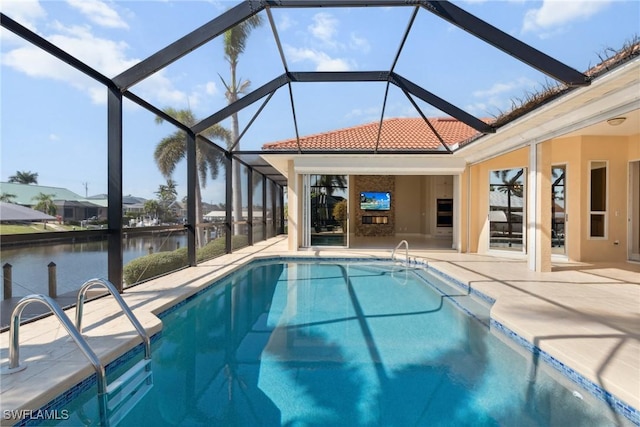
[
  {"x": 562, "y": 180},
  {"x": 69, "y": 205}
]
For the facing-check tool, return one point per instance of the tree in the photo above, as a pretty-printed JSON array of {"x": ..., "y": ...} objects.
[
  {"x": 152, "y": 208},
  {"x": 6, "y": 197},
  {"x": 167, "y": 194},
  {"x": 24, "y": 177},
  {"x": 173, "y": 148},
  {"x": 235, "y": 42},
  {"x": 45, "y": 203}
]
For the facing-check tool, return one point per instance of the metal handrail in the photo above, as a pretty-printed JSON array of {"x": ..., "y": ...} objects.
[
  {"x": 14, "y": 343},
  {"x": 125, "y": 309},
  {"x": 406, "y": 244}
]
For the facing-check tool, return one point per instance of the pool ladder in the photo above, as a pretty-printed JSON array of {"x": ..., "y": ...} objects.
[
  {"x": 406, "y": 247},
  {"x": 116, "y": 399}
]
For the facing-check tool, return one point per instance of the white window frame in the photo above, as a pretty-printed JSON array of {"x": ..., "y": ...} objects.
[
  {"x": 605, "y": 213},
  {"x": 525, "y": 213}
]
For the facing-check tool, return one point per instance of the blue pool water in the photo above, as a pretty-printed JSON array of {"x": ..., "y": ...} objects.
[{"x": 343, "y": 344}]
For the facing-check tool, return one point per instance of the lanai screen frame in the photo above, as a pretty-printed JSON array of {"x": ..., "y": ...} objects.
[{"x": 118, "y": 87}]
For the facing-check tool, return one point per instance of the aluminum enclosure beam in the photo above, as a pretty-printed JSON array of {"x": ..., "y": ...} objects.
[
  {"x": 188, "y": 43},
  {"x": 115, "y": 244},
  {"x": 338, "y": 76},
  {"x": 441, "y": 104},
  {"x": 241, "y": 103},
  {"x": 508, "y": 44},
  {"x": 54, "y": 50}
]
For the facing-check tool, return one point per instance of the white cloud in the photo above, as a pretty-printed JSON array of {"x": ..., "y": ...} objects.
[
  {"x": 285, "y": 23},
  {"x": 210, "y": 88},
  {"x": 359, "y": 43},
  {"x": 99, "y": 13},
  {"x": 324, "y": 28},
  {"x": 106, "y": 56},
  {"x": 53, "y": 137},
  {"x": 26, "y": 12},
  {"x": 498, "y": 98},
  {"x": 554, "y": 14},
  {"x": 159, "y": 89},
  {"x": 322, "y": 61}
]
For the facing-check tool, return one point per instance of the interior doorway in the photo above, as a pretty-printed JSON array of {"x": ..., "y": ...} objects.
[{"x": 328, "y": 210}]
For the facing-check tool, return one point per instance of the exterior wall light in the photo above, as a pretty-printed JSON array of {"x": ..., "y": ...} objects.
[{"x": 616, "y": 121}]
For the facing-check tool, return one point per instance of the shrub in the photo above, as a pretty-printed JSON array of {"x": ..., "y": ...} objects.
[
  {"x": 157, "y": 264},
  {"x": 154, "y": 265}
]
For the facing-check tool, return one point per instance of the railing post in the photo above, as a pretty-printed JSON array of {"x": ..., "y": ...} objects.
[
  {"x": 8, "y": 285},
  {"x": 53, "y": 282}
]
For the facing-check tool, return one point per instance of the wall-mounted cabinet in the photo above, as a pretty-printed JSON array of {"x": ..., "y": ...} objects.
[{"x": 444, "y": 215}]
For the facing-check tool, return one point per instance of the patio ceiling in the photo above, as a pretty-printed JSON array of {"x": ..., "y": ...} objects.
[{"x": 390, "y": 78}]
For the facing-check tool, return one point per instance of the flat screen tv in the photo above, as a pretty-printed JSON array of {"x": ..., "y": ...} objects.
[{"x": 375, "y": 201}]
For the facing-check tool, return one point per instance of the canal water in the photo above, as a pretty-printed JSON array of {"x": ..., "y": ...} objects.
[{"x": 75, "y": 262}]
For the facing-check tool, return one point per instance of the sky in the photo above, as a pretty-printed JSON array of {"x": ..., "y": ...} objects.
[{"x": 53, "y": 118}]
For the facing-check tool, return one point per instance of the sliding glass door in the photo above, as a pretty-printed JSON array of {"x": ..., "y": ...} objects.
[
  {"x": 507, "y": 210},
  {"x": 327, "y": 218},
  {"x": 558, "y": 210}
]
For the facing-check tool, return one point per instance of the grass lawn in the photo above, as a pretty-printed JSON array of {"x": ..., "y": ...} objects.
[{"x": 36, "y": 227}]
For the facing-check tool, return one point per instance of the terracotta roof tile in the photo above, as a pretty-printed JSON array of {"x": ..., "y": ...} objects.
[{"x": 396, "y": 134}]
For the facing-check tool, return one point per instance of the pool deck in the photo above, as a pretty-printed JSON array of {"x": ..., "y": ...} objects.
[{"x": 586, "y": 316}]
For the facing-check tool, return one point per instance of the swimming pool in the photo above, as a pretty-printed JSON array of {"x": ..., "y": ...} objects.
[{"x": 343, "y": 343}]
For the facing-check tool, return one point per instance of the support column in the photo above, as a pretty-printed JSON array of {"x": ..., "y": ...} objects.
[
  {"x": 114, "y": 188},
  {"x": 539, "y": 208},
  {"x": 293, "y": 214},
  {"x": 457, "y": 207},
  {"x": 193, "y": 204}
]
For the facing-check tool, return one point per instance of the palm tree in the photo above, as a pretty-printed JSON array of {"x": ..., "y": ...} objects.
[
  {"x": 45, "y": 203},
  {"x": 7, "y": 197},
  {"x": 235, "y": 42},
  {"x": 24, "y": 177},
  {"x": 152, "y": 208},
  {"x": 173, "y": 148}
]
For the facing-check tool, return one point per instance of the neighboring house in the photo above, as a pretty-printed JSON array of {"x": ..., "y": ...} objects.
[
  {"x": 69, "y": 205},
  {"x": 178, "y": 209},
  {"x": 576, "y": 156},
  {"x": 133, "y": 206},
  {"x": 10, "y": 212}
]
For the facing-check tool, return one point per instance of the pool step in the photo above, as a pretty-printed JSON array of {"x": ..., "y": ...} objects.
[{"x": 124, "y": 393}]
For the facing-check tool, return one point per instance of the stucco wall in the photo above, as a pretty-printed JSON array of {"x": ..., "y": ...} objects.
[
  {"x": 575, "y": 153},
  {"x": 479, "y": 195},
  {"x": 616, "y": 152},
  {"x": 373, "y": 183}
]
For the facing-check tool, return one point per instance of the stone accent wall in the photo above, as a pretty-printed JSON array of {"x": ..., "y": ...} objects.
[{"x": 374, "y": 183}]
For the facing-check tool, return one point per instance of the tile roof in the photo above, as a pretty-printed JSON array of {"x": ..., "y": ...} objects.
[{"x": 396, "y": 134}]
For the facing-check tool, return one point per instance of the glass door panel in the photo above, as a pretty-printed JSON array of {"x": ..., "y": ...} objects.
[
  {"x": 634, "y": 211},
  {"x": 506, "y": 209},
  {"x": 328, "y": 210},
  {"x": 558, "y": 209}
]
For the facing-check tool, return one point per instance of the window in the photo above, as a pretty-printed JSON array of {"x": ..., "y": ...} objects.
[{"x": 598, "y": 199}]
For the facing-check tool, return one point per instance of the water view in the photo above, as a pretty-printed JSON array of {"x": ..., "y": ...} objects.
[{"x": 75, "y": 262}]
